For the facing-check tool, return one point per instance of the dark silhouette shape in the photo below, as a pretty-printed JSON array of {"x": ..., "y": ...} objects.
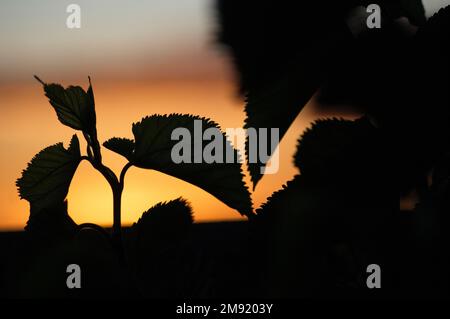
[
  {"x": 288, "y": 52},
  {"x": 319, "y": 233},
  {"x": 328, "y": 223}
]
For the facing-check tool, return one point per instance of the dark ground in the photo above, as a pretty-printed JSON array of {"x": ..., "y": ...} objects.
[{"x": 224, "y": 244}]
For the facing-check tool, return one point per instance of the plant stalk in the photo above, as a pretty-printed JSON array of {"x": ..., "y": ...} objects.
[
  {"x": 117, "y": 223},
  {"x": 117, "y": 195},
  {"x": 116, "y": 185}
]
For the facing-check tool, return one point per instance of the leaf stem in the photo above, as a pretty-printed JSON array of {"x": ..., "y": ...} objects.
[{"x": 122, "y": 174}]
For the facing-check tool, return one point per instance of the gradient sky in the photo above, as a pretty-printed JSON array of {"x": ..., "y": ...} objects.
[{"x": 144, "y": 57}]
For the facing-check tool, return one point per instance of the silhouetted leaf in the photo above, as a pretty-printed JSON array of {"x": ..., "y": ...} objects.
[
  {"x": 45, "y": 182},
  {"x": 163, "y": 224},
  {"x": 290, "y": 49},
  {"x": 74, "y": 106},
  {"x": 279, "y": 35},
  {"x": 153, "y": 147},
  {"x": 338, "y": 147},
  {"x": 307, "y": 223},
  {"x": 294, "y": 225},
  {"x": 436, "y": 31},
  {"x": 122, "y": 146},
  {"x": 51, "y": 223},
  {"x": 159, "y": 250},
  {"x": 276, "y": 107},
  {"x": 280, "y": 57},
  {"x": 326, "y": 143}
]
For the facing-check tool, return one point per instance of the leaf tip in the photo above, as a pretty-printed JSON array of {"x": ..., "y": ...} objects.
[{"x": 40, "y": 81}]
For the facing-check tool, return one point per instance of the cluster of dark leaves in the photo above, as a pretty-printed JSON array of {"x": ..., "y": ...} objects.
[{"x": 318, "y": 234}]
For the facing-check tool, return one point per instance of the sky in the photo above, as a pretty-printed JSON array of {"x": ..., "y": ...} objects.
[{"x": 144, "y": 57}]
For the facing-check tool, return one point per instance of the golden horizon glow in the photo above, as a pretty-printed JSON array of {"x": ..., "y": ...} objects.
[{"x": 29, "y": 124}]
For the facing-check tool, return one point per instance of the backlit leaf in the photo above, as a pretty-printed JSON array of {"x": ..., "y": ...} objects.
[
  {"x": 45, "y": 182},
  {"x": 153, "y": 150},
  {"x": 74, "y": 106}
]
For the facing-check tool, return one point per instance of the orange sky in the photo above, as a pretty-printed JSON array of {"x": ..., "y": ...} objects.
[
  {"x": 144, "y": 58},
  {"x": 28, "y": 124}
]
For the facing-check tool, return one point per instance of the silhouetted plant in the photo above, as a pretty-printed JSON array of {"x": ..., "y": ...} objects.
[{"x": 45, "y": 183}]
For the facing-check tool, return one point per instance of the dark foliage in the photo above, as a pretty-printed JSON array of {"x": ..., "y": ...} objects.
[{"x": 341, "y": 214}]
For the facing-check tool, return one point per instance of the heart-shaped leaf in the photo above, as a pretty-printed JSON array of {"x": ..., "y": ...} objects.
[
  {"x": 45, "y": 182},
  {"x": 74, "y": 106},
  {"x": 154, "y": 148}
]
